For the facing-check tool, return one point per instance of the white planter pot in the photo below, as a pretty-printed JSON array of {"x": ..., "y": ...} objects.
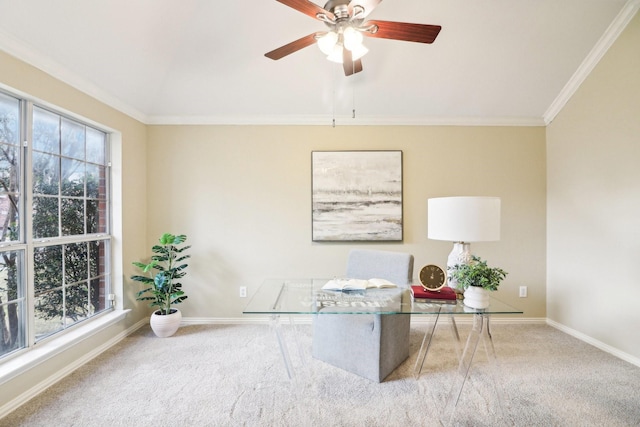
[
  {"x": 165, "y": 325},
  {"x": 476, "y": 297}
]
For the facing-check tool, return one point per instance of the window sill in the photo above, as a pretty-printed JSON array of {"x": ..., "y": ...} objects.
[{"x": 40, "y": 353}]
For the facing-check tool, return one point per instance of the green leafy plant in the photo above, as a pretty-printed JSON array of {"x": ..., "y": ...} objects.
[
  {"x": 163, "y": 272},
  {"x": 477, "y": 273}
]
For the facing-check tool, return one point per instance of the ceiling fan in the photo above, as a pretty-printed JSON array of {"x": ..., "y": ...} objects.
[{"x": 343, "y": 42}]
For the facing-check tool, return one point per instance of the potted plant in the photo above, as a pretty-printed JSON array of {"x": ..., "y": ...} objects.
[
  {"x": 162, "y": 275},
  {"x": 476, "y": 279}
]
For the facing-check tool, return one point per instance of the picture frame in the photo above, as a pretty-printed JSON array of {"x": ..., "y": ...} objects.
[{"x": 357, "y": 196}]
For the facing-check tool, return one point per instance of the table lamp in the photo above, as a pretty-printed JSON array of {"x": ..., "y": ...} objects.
[{"x": 463, "y": 220}]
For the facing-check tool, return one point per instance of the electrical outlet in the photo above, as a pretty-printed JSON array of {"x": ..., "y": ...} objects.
[
  {"x": 523, "y": 291},
  {"x": 243, "y": 291}
]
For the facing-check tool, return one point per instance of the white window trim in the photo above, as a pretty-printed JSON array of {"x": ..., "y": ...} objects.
[{"x": 28, "y": 357}]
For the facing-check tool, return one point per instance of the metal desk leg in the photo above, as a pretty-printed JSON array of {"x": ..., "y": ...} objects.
[
  {"x": 429, "y": 332},
  {"x": 480, "y": 332}
]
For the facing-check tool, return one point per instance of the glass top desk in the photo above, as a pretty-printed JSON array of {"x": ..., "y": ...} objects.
[
  {"x": 305, "y": 296},
  {"x": 277, "y": 297}
]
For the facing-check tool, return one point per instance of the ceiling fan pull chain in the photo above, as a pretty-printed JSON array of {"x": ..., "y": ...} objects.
[
  {"x": 353, "y": 100},
  {"x": 333, "y": 100}
]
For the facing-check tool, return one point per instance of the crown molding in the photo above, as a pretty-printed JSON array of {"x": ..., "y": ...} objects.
[
  {"x": 606, "y": 41},
  {"x": 37, "y": 59}
]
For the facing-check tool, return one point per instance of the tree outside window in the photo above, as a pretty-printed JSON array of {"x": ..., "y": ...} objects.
[{"x": 69, "y": 224}]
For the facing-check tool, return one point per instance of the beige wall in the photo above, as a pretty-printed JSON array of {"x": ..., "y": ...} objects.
[
  {"x": 242, "y": 194},
  {"x": 593, "y": 236}
]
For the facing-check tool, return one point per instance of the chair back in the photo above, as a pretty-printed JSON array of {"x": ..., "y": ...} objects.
[{"x": 396, "y": 267}]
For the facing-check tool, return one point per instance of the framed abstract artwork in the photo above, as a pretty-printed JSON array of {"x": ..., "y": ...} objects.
[{"x": 356, "y": 196}]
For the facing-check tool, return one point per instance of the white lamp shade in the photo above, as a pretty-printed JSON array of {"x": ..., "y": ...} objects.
[
  {"x": 336, "y": 54},
  {"x": 464, "y": 219},
  {"x": 352, "y": 38},
  {"x": 327, "y": 42}
]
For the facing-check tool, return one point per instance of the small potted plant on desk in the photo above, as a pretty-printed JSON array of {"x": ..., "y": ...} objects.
[
  {"x": 476, "y": 279},
  {"x": 164, "y": 289}
]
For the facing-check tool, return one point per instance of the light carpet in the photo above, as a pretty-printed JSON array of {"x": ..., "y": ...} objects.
[{"x": 233, "y": 375}]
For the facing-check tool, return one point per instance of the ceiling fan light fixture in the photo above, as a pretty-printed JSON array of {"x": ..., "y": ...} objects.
[
  {"x": 347, "y": 26},
  {"x": 352, "y": 38},
  {"x": 336, "y": 54},
  {"x": 356, "y": 53},
  {"x": 328, "y": 42}
]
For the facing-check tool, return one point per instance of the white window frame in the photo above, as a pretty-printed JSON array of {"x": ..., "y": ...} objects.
[{"x": 17, "y": 361}]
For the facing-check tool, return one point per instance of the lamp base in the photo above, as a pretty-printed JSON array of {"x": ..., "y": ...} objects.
[{"x": 459, "y": 255}]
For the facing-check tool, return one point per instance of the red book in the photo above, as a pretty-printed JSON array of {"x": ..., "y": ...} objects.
[{"x": 445, "y": 293}]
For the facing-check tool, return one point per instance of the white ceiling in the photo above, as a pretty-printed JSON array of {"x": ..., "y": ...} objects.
[{"x": 202, "y": 61}]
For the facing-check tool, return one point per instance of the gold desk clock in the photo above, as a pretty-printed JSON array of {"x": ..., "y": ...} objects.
[{"x": 432, "y": 277}]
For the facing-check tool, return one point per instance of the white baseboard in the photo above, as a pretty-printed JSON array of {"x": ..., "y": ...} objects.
[
  {"x": 594, "y": 342},
  {"x": 249, "y": 320},
  {"x": 306, "y": 320},
  {"x": 264, "y": 320}
]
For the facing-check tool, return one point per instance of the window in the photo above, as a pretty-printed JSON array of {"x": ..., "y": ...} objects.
[{"x": 54, "y": 223}]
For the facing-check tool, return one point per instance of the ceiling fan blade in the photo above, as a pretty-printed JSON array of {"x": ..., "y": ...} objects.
[
  {"x": 366, "y": 5},
  {"x": 420, "y": 33},
  {"x": 348, "y": 64},
  {"x": 308, "y": 8},
  {"x": 292, "y": 47},
  {"x": 357, "y": 66}
]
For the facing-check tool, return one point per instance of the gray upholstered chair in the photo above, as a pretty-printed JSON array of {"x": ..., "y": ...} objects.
[{"x": 369, "y": 345}]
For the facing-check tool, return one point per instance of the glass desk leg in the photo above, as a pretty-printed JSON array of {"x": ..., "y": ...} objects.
[
  {"x": 277, "y": 327},
  {"x": 456, "y": 335},
  {"x": 502, "y": 397},
  {"x": 480, "y": 332},
  {"x": 428, "y": 337},
  {"x": 428, "y": 333}
]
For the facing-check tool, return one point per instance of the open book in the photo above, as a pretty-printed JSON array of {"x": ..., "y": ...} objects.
[{"x": 357, "y": 284}]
